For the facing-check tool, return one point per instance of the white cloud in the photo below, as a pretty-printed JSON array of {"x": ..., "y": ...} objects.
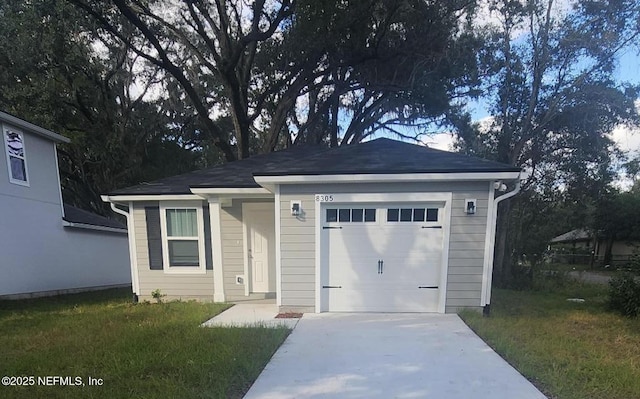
[
  {"x": 439, "y": 141},
  {"x": 627, "y": 138}
]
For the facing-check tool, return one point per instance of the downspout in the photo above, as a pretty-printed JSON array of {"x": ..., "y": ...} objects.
[
  {"x": 132, "y": 245},
  {"x": 486, "y": 301}
]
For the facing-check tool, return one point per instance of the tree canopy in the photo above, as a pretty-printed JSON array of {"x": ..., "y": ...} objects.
[
  {"x": 299, "y": 71},
  {"x": 553, "y": 101}
]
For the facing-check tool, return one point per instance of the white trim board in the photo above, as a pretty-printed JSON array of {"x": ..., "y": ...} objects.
[
  {"x": 163, "y": 197},
  {"x": 385, "y": 178},
  {"x": 278, "y": 232},
  {"x": 231, "y": 191},
  {"x": 216, "y": 247},
  {"x": 85, "y": 226},
  {"x": 486, "y": 269},
  {"x": 12, "y": 120}
]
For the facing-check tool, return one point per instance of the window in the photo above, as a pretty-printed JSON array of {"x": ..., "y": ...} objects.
[
  {"x": 405, "y": 215},
  {"x": 16, "y": 158},
  {"x": 332, "y": 215},
  {"x": 369, "y": 215},
  {"x": 355, "y": 215},
  {"x": 393, "y": 215},
  {"x": 183, "y": 239},
  {"x": 432, "y": 214},
  {"x": 412, "y": 215},
  {"x": 344, "y": 215}
]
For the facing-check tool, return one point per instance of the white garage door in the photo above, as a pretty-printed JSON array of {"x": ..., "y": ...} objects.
[{"x": 383, "y": 258}]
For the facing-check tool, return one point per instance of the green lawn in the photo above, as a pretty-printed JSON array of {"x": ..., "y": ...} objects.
[
  {"x": 568, "y": 350},
  {"x": 138, "y": 350}
]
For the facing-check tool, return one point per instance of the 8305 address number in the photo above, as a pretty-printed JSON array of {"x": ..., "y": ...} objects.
[{"x": 324, "y": 197}]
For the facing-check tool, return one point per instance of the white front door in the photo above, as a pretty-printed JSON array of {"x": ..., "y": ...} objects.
[
  {"x": 260, "y": 233},
  {"x": 390, "y": 263}
]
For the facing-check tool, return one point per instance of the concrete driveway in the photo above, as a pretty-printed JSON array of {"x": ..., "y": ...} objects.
[{"x": 333, "y": 355}]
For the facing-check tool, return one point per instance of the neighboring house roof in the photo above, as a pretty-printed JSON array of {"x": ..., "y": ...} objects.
[
  {"x": 573, "y": 235},
  {"x": 30, "y": 127},
  {"x": 380, "y": 156},
  {"x": 79, "y": 216}
]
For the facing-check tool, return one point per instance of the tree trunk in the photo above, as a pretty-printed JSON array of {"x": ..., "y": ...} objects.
[
  {"x": 594, "y": 246},
  {"x": 607, "y": 252}
]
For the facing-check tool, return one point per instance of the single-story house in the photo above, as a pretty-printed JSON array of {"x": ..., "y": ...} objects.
[
  {"x": 581, "y": 246},
  {"x": 382, "y": 226},
  {"x": 49, "y": 247}
]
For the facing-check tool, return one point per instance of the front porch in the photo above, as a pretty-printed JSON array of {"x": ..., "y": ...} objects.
[{"x": 245, "y": 249}]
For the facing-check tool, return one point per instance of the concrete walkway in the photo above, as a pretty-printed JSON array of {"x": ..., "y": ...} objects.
[
  {"x": 250, "y": 315},
  {"x": 333, "y": 355}
]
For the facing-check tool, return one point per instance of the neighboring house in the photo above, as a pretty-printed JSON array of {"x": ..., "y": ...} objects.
[
  {"x": 380, "y": 226},
  {"x": 576, "y": 240},
  {"x": 48, "y": 247},
  {"x": 579, "y": 245}
]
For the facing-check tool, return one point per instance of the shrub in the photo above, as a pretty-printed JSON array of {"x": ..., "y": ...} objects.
[
  {"x": 157, "y": 295},
  {"x": 624, "y": 295}
]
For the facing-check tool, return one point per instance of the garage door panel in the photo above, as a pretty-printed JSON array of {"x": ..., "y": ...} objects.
[
  {"x": 399, "y": 298},
  {"x": 380, "y": 266}
]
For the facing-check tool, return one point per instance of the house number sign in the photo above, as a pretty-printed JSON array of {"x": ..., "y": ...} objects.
[{"x": 324, "y": 197}]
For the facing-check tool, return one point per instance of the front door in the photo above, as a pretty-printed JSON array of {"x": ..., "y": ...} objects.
[{"x": 260, "y": 233}]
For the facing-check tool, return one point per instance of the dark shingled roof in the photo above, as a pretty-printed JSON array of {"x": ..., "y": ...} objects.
[
  {"x": 574, "y": 235},
  {"x": 380, "y": 156},
  {"x": 77, "y": 215}
]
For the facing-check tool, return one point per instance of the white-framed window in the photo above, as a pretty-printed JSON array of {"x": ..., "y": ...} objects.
[
  {"x": 182, "y": 230},
  {"x": 16, "y": 156},
  {"x": 410, "y": 214}
]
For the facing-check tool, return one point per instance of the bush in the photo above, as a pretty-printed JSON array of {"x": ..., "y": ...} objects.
[{"x": 624, "y": 295}]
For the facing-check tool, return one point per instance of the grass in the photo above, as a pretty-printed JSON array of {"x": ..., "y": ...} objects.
[
  {"x": 139, "y": 350},
  {"x": 568, "y": 350}
]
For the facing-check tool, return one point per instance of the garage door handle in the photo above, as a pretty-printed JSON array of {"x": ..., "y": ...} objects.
[
  {"x": 380, "y": 266},
  {"x": 432, "y": 287},
  {"x": 331, "y": 227},
  {"x": 331, "y": 286},
  {"x": 431, "y": 227}
]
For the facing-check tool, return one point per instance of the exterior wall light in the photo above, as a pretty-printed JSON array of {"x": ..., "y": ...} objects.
[
  {"x": 296, "y": 208},
  {"x": 470, "y": 206}
]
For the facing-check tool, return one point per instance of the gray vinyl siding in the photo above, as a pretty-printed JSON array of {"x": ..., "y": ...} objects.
[
  {"x": 174, "y": 286},
  {"x": 232, "y": 250},
  {"x": 297, "y": 266},
  {"x": 466, "y": 243},
  {"x": 466, "y": 248}
]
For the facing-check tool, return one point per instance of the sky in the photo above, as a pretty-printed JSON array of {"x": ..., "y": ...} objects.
[{"x": 628, "y": 140}]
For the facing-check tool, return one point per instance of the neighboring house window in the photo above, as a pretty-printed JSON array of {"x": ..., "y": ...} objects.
[
  {"x": 182, "y": 239},
  {"x": 16, "y": 157}
]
